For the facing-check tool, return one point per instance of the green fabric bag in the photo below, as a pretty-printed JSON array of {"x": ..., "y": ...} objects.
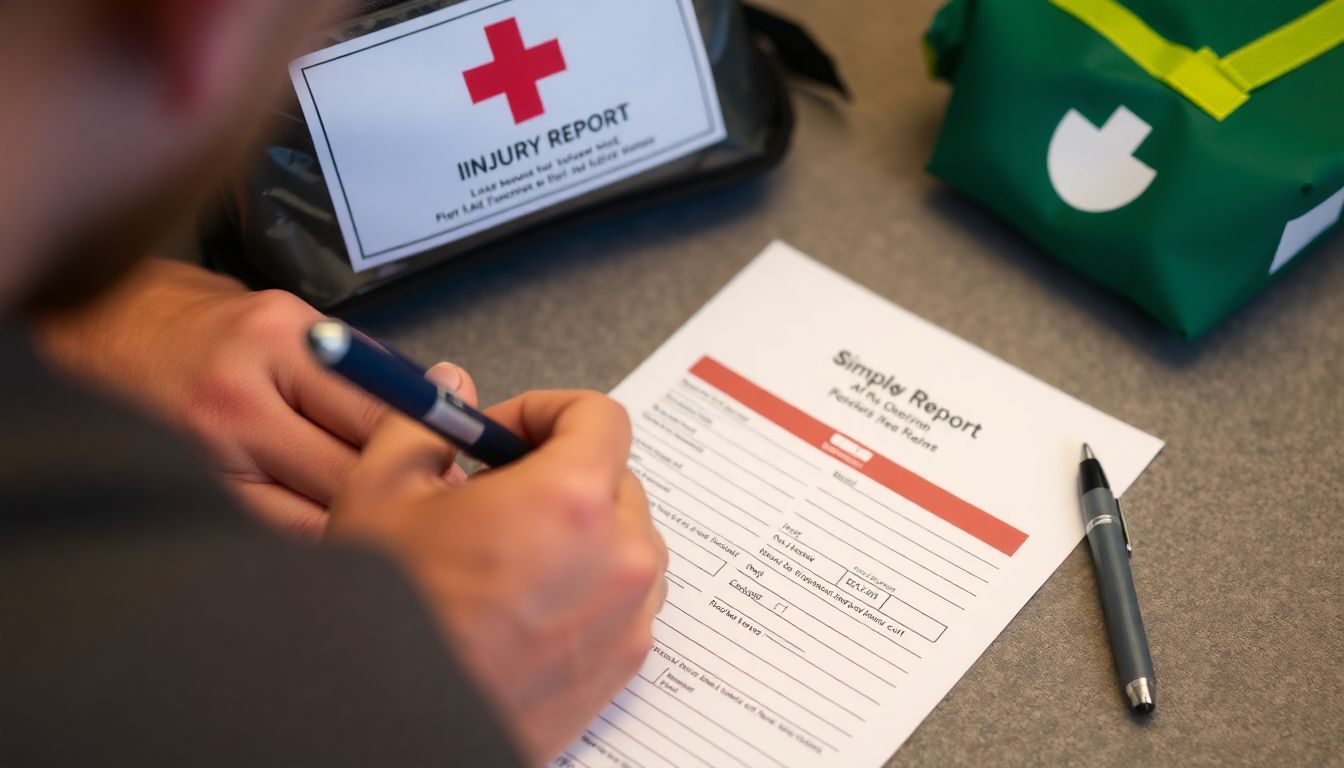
[{"x": 1117, "y": 138}]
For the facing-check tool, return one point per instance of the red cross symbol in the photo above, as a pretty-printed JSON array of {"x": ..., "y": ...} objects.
[{"x": 515, "y": 70}]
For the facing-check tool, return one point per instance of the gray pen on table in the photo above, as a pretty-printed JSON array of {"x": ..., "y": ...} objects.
[{"x": 1108, "y": 538}]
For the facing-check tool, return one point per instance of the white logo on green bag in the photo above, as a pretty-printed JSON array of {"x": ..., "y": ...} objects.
[{"x": 1094, "y": 169}]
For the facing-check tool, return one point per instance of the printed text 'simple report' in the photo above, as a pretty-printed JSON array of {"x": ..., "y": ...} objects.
[{"x": 856, "y": 503}]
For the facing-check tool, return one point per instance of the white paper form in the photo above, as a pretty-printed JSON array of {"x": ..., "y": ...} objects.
[{"x": 856, "y": 502}]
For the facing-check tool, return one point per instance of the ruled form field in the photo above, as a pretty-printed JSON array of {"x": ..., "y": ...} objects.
[{"x": 839, "y": 557}]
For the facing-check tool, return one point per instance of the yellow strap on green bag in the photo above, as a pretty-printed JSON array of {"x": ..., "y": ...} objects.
[
  {"x": 1287, "y": 47},
  {"x": 1216, "y": 85}
]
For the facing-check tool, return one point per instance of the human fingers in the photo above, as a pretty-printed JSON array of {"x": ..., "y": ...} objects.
[
  {"x": 572, "y": 482},
  {"x": 633, "y": 507},
  {"x": 635, "y": 587},
  {"x": 455, "y": 378},
  {"x": 616, "y": 616},
  {"x": 326, "y": 399},
  {"x": 343, "y": 409},
  {"x": 402, "y": 462},
  {"x": 578, "y": 431},
  {"x": 283, "y": 509},
  {"x": 297, "y": 453},
  {"x": 456, "y": 476}
]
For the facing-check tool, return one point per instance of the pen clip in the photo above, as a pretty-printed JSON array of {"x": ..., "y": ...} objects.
[{"x": 1124, "y": 527}]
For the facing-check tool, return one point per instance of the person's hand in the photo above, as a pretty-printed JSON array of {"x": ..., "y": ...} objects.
[
  {"x": 231, "y": 367},
  {"x": 545, "y": 575}
]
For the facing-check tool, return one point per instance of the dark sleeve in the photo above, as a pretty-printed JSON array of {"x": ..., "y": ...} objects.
[
  {"x": 195, "y": 647},
  {"x": 145, "y": 622}
]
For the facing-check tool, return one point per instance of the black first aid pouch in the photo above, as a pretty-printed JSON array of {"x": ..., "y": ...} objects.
[{"x": 423, "y": 131}]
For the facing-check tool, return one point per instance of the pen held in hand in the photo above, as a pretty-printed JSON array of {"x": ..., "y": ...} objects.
[{"x": 402, "y": 385}]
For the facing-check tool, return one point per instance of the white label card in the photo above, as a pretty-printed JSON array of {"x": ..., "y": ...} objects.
[{"x": 442, "y": 127}]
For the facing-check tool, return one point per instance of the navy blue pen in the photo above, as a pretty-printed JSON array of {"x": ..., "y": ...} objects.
[{"x": 402, "y": 385}]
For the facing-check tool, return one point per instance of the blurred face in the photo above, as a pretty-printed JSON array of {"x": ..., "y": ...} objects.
[{"x": 122, "y": 114}]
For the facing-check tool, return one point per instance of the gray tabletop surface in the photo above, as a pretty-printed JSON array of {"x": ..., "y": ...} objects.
[{"x": 1239, "y": 542}]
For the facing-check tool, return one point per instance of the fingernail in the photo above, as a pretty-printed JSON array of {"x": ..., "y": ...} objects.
[
  {"x": 445, "y": 375},
  {"x": 456, "y": 476}
]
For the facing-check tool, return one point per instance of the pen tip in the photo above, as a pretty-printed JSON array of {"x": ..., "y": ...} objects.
[
  {"x": 1142, "y": 695},
  {"x": 1087, "y": 452}
]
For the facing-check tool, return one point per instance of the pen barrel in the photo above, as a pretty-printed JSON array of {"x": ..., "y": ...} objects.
[
  {"x": 498, "y": 446},
  {"x": 403, "y": 385},
  {"x": 474, "y": 432},
  {"x": 1120, "y": 604},
  {"x": 388, "y": 378}
]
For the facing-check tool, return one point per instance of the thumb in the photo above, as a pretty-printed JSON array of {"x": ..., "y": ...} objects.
[
  {"x": 456, "y": 379},
  {"x": 403, "y": 462}
]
